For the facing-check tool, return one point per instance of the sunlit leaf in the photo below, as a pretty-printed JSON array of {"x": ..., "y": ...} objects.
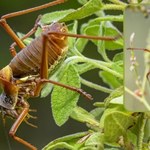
[
  {"x": 64, "y": 100},
  {"x": 96, "y": 140},
  {"x": 82, "y": 115},
  {"x": 110, "y": 79},
  {"x": 88, "y": 9},
  {"x": 66, "y": 142},
  {"x": 55, "y": 16}
]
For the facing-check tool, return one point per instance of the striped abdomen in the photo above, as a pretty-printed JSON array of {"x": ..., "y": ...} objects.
[{"x": 28, "y": 60}]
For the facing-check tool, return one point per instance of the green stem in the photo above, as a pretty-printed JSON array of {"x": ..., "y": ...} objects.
[
  {"x": 141, "y": 132},
  {"x": 95, "y": 86},
  {"x": 105, "y": 56},
  {"x": 105, "y": 68},
  {"x": 97, "y": 64},
  {"x": 113, "y": 7},
  {"x": 118, "y": 2},
  {"x": 107, "y": 18}
]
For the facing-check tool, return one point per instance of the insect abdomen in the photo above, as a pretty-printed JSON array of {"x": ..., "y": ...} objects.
[{"x": 28, "y": 60}]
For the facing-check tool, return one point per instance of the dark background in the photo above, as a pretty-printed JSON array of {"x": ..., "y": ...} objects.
[{"x": 47, "y": 130}]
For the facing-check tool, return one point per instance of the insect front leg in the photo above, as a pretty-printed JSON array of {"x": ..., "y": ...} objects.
[
  {"x": 16, "y": 125},
  {"x": 9, "y": 30},
  {"x": 44, "y": 73}
]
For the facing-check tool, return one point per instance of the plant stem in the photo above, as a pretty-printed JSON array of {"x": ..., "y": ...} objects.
[
  {"x": 105, "y": 68},
  {"x": 118, "y": 2},
  {"x": 107, "y": 18},
  {"x": 141, "y": 132},
  {"x": 113, "y": 7},
  {"x": 95, "y": 86}
]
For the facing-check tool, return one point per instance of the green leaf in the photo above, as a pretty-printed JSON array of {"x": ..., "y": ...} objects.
[
  {"x": 121, "y": 120},
  {"x": 118, "y": 57},
  {"x": 132, "y": 138},
  {"x": 69, "y": 142},
  {"x": 117, "y": 100},
  {"x": 96, "y": 140},
  {"x": 82, "y": 115},
  {"x": 109, "y": 30},
  {"x": 115, "y": 94},
  {"x": 48, "y": 87},
  {"x": 55, "y": 16},
  {"x": 110, "y": 79},
  {"x": 97, "y": 113},
  {"x": 82, "y": 1},
  {"x": 88, "y": 9},
  {"x": 117, "y": 126},
  {"x": 64, "y": 100},
  {"x": 116, "y": 66}
]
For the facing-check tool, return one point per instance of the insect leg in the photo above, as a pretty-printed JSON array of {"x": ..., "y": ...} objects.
[
  {"x": 17, "y": 123},
  {"x": 32, "y": 31},
  {"x": 44, "y": 74},
  {"x": 26, "y": 11},
  {"x": 8, "y": 29}
]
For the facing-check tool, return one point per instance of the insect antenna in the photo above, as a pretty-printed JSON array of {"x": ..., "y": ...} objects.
[{"x": 105, "y": 38}]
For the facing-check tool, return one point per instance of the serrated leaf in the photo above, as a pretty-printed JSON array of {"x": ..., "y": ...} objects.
[
  {"x": 82, "y": 115},
  {"x": 110, "y": 79},
  {"x": 88, "y": 9},
  {"x": 64, "y": 100},
  {"x": 55, "y": 16}
]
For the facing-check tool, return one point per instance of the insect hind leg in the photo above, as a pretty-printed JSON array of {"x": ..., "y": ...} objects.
[{"x": 16, "y": 125}]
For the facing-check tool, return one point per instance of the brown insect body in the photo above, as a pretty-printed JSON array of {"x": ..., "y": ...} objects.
[
  {"x": 21, "y": 76},
  {"x": 28, "y": 60}
]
